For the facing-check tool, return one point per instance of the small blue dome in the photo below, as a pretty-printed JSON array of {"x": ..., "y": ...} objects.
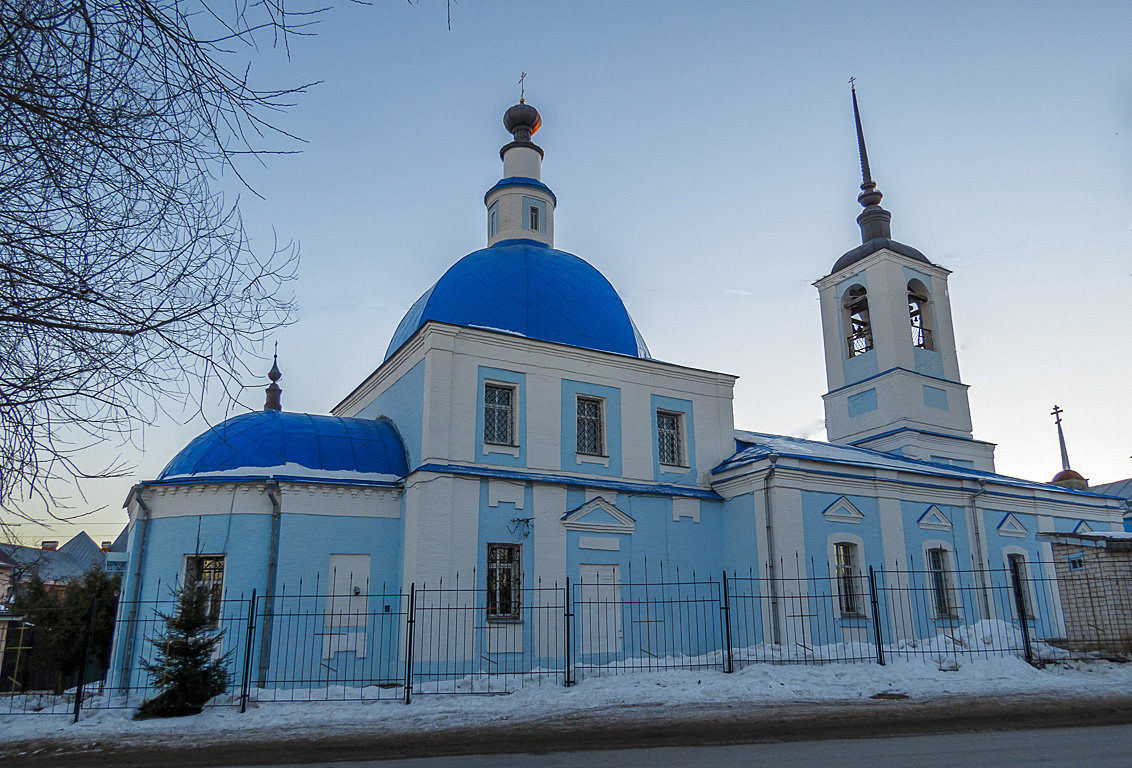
[
  {"x": 527, "y": 288},
  {"x": 293, "y": 444}
]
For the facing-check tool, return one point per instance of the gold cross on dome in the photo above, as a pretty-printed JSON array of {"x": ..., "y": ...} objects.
[{"x": 522, "y": 88}]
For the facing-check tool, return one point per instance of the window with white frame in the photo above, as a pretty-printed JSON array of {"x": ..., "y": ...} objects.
[
  {"x": 493, "y": 219},
  {"x": 939, "y": 573},
  {"x": 207, "y": 572},
  {"x": 591, "y": 426},
  {"x": 533, "y": 222},
  {"x": 846, "y": 570},
  {"x": 499, "y": 414},
  {"x": 503, "y": 581},
  {"x": 670, "y": 437},
  {"x": 1016, "y": 563}
]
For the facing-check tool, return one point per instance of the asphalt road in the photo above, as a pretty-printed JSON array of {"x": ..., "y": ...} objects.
[
  {"x": 1104, "y": 747},
  {"x": 949, "y": 732}
]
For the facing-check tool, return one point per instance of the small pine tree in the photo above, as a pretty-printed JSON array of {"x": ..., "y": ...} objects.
[{"x": 185, "y": 670}]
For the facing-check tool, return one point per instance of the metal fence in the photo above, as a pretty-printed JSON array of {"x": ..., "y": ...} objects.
[{"x": 457, "y": 638}]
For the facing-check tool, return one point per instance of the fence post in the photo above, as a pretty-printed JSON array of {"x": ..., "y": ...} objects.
[
  {"x": 726, "y": 608},
  {"x": 410, "y": 627},
  {"x": 85, "y": 658},
  {"x": 1020, "y": 605},
  {"x": 247, "y": 653},
  {"x": 567, "y": 614},
  {"x": 876, "y": 616}
]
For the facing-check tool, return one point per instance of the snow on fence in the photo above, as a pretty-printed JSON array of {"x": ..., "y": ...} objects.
[{"x": 464, "y": 638}]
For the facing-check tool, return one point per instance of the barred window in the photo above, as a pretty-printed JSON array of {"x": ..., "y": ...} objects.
[
  {"x": 845, "y": 571},
  {"x": 503, "y": 577},
  {"x": 940, "y": 582},
  {"x": 207, "y": 571},
  {"x": 670, "y": 441},
  {"x": 591, "y": 427},
  {"x": 498, "y": 415}
]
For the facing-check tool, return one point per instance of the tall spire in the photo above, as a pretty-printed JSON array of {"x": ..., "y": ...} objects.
[
  {"x": 274, "y": 390},
  {"x": 1056, "y": 413},
  {"x": 874, "y": 220},
  {"x": 1066, "y": 477}
]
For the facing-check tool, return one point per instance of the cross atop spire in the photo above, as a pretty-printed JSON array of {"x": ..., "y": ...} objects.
[
  {"x": 522, "y": 88},
  {"x": 874, "y": 220},
  {"x": 1056, "y": 413}
]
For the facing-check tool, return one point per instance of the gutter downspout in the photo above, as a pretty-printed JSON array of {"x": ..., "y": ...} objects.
[
  {"x": 135, "y": 590},
  {"x": 276, "y": 497},
  {"x": 979, "y": 549},
  {"x": 775, "y": 624}
]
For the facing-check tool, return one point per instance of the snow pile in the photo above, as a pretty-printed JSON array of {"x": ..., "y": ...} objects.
[{"x": 756, "y": 684}]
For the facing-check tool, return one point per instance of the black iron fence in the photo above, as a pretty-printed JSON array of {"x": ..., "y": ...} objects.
[{"x": 458, "y": 639}]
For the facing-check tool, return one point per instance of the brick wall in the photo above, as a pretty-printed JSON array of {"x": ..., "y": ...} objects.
[{"x": 1096, "y": 597}]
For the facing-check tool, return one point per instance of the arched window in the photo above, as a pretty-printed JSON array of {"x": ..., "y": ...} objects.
[
  {"x": 858, "y": 328},
  {"x": 920, "y": 316}
]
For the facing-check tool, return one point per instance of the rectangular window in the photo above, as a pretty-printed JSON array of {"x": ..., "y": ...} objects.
[
  {"x": 498, "y": 414},
  {"x": 591, "y": 426},
  {"x": 207, "y": 571},
  {"x": 534, "y": 219},
  {"x": 940, "y": 582},
  {"x": 845, "y": 570},
  {"x": 1017, "y": 564},
  {"x": 669, "y": 438},
  {"x": 503, "y": 578},
  {"x": 493, "y": 220}
]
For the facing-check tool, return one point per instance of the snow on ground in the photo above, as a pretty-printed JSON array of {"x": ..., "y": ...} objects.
[{"x": 752, "y": 685}]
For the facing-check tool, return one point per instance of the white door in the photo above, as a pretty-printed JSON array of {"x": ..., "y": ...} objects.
[
  {"x": 599, "y": 608},
  {"x": 348, "y": 595}
]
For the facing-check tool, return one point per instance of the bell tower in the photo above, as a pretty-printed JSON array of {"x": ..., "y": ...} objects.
[{"x": 891, "y": 366}]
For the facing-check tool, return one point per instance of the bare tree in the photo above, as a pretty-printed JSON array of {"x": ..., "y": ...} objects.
[{"x": 125, "y": 275}]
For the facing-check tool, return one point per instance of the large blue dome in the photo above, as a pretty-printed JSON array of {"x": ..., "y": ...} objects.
[
  {"x": 527, "y": 288},
  {"x": 302, "y": 445}
]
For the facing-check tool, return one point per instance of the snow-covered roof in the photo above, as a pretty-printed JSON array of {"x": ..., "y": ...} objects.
[
  {"x": 1115, "y": 540},
  {"x": 754, "y": 446}
]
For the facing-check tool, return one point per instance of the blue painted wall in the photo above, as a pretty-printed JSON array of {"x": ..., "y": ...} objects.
[
  {"x": 403, "y": 404},
  {"x": 569, "y": 409}
]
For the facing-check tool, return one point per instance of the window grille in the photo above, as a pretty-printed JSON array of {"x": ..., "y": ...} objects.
[
  {"x": 941, "y": 590},
  {"x": 503, "y": 577},
  {"x": 591, "y": 437},
  {"x": 845, "y": 569},
  {"x": 207, "y": 571},
  {"x": 669, "y": 438},
  {"x": 1017, "y": 564},
  {"x": 498, "y": 415}
]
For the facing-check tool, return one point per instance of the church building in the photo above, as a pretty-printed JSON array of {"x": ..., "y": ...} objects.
[{"x": 518, "y": 432}]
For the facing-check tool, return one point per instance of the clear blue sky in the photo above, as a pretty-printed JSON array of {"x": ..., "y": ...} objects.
[{"x": 704, "y": 159}]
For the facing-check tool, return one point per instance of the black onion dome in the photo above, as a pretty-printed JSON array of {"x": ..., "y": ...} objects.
[{"x": 522, "y": 118}]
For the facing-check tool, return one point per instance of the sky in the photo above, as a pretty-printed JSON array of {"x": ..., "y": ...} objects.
[{"x": 704, "y": 159}]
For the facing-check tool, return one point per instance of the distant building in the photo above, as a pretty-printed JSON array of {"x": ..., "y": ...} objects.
[
  {"x": 519, "y": 431},
  {"x": 52, "y": 563}
]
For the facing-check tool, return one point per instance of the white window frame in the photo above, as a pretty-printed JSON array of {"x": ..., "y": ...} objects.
[
  {"x": 216, "y": 587},
  {"x": 681, "y": 439},
  {"x": 496, "y": 591},
  {"x": 513, "y": 389},
  {"x": 941, "y": 582},
  {"x": 534, "y": 218},
  {"x": 602, "y": 449},
  {"x": 1008, "y": 554},
  {"x": 493, "y": 219}
]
